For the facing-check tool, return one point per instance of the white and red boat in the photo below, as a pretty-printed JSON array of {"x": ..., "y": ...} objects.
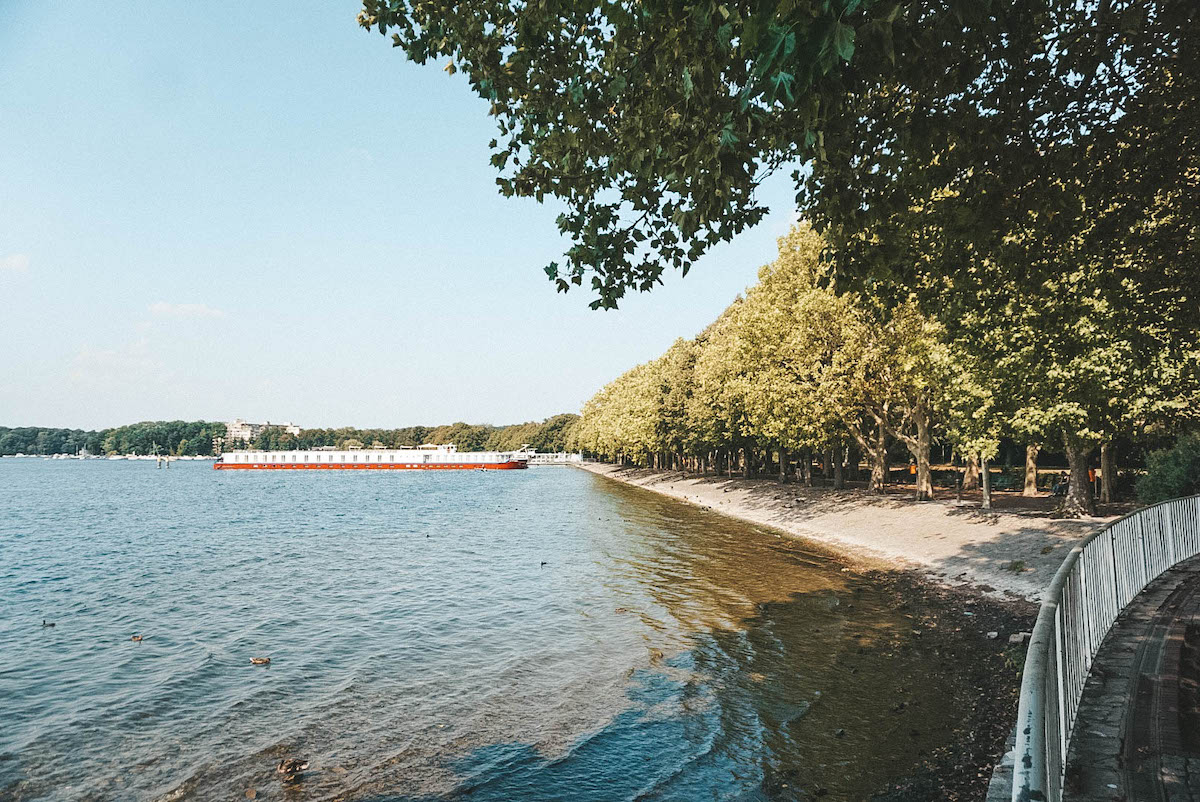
[{"x": 425, "y": 458}]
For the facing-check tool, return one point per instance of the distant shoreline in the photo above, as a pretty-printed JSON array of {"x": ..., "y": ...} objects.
[
  {"x": 1011, "y": 554},
  {"x": 102, "y": 457}
]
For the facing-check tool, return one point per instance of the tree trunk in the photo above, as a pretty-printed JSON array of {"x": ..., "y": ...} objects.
[
  {"x": 1079, "y": 500},
  {"x": 1108, "y": 473},
  {"x": 782, "y": 465},
  {"x": 1031, "y": 455},
  {"x": 971, "y": 473},
  {"x": 924, "y": 474},
  {"x": 986, "y": 476},
  {"x": 806, "y": 465},
  {"x": 879, "y": 461},
  {"x": 839, "y": 473},
  {"x": 827, "y": 469},
  {"x": 885, "y": 458}
]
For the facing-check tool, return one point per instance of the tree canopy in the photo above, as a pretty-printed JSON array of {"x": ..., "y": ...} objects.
[
  {"x": 934, "y": 135},
  {"x": 653, "y": 121}
]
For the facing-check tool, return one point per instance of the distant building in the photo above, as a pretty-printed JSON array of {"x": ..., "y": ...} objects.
[{"x": 244, "y": 430}]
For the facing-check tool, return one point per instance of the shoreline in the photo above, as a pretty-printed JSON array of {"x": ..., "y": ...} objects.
[
  {"x": 944, "y": 562},
  {"x": 1005, "y": 554}
]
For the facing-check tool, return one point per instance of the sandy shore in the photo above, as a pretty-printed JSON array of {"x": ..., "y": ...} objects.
[{"x": 1007, "y": 553}]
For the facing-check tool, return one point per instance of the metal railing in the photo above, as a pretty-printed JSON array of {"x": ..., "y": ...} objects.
[{"x": 1094, "y": 584}]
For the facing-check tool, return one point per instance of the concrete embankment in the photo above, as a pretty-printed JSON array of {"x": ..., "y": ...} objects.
[{"x": 1008, "y": 552}]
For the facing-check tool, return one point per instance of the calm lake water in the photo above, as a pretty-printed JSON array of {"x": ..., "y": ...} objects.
[{"x": 419, "y": 648}]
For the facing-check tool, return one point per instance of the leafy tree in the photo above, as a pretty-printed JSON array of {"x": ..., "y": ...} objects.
[
  {"x": 1010, "y": 190},
  {"x": 793, "y": 330},
  {"x": 1172, "y": 473},
  {"x": 719, "y": 406},
  {"x": 654, "y": 122}
]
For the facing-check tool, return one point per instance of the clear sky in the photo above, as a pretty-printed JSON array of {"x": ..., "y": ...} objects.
[{"x": 217, "y": 210}]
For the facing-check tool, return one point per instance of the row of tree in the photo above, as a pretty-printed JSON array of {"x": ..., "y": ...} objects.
[
  {"x": 800, "y": 367},
  {"x": 197, "y": 438}
]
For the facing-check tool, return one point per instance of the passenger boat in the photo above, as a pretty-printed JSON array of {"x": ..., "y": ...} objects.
[{"x": 426, "y": 457}]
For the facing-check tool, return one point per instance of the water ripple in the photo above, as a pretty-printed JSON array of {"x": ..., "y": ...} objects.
[{"x": 419, "y": 648}]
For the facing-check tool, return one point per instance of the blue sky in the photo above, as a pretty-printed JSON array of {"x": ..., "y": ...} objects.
[{"x": 216, "y": 210}]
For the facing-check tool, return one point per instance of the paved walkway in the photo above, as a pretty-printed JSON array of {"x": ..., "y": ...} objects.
[{"x": 1137, "y": 735}]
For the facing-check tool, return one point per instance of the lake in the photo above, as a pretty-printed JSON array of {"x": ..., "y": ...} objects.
[{"x": 544, "y": 634}]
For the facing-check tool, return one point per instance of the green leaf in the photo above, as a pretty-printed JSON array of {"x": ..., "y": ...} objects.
[
  {"x": 727, "y": 138},
  {"x": 781, "y": 84},
  {"x": 843, "y": 40},
  {"x": 724, "y": 37}
]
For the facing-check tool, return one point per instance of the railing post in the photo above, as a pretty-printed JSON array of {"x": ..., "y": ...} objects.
[
  {"x": 1171, "y": 534},
  {"x": 1086, "y": 602},
  {"x": 1141, "y": 534},
  {"x": 1116, "y": 584},
  {"x": 1060, "y": 676}
]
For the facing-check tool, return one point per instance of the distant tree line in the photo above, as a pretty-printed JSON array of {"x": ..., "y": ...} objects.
[
  {"x": 178, "y": 438},
  {"x": 35, "y": 440},
  {"x": 196, "y": 438}
]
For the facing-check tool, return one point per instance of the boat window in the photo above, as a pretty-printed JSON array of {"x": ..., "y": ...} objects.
[{"x": 306, "y": 458}]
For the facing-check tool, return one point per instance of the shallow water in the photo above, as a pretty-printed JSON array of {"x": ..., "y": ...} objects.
[{"x": 421, "y": 650}]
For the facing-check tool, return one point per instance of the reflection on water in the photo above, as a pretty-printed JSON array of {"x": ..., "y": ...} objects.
[{"x": 420, "y": 649}]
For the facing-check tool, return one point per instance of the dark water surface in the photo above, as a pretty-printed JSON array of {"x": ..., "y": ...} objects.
[{"x": 421, "y": 651}]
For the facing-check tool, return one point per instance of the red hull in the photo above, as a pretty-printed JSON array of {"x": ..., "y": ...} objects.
[{"x": 369, "y": 466}]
